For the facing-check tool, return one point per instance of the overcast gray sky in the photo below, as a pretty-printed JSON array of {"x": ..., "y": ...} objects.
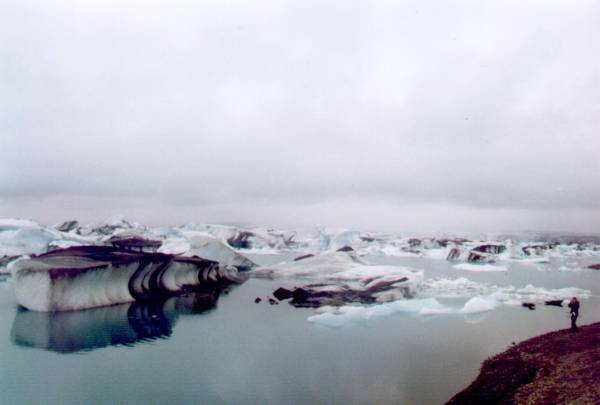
[{"x": 400, "y": 115}]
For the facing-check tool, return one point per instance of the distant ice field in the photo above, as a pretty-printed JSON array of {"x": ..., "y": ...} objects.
[{"x": 379, "y": 272}]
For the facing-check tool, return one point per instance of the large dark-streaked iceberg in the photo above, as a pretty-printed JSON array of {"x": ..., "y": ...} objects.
[{"x": 93, "y": 276}]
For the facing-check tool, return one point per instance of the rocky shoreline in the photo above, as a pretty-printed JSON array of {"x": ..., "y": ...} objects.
[{"x": 555, "y": 368}]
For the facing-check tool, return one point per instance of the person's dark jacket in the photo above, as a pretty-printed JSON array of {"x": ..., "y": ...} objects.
[{"x": 574, "y": 306}]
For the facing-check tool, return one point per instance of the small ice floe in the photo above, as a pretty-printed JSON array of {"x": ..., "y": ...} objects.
[
  {"x": 350, "y": 314},
  {"x": 479, "y": 267},
  {"x": 479, "y": 304},
  {"x": 454, "y": 288},
  {"x": 508, "y": 295},
  {"x": 532, "y": 260}
]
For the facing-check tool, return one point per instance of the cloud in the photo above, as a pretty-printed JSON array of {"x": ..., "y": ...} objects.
[{"x": 282, "y": 107}]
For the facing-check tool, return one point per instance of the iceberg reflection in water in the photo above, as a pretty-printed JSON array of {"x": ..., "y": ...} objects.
[{"x": 118, "y": 325}]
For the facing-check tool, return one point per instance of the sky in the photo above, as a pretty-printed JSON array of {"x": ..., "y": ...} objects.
[{"x": 376, "y": 115}]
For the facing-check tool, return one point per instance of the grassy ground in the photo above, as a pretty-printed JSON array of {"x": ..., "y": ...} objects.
[{"x": 560, "y": 367}]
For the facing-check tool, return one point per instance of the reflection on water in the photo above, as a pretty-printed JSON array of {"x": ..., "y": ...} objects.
[{"x": 127, "y": 324}]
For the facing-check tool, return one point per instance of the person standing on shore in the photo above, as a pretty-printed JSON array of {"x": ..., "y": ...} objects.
[{"x": 574, "y": 309}]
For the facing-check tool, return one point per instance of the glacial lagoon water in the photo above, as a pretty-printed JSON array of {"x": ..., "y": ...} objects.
[{"x": 228, "y": 350}]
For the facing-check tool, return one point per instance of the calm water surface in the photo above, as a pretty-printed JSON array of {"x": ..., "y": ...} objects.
[{"x": 227, "y": 349}]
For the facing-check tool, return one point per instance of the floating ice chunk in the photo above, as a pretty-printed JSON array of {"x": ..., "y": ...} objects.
[
  {"x": 479, "y": 267},
  {"x": 108, "y": 227},
  {"x": 321, "y": 266},
  {"x": 533, "y": 260},
  {"x": 329, "y": 266},
  {"x": 397, "y": 252},
  {"x": 207, "y": 246},
  {"x": 327, "y": 309},
  {"x": 330, "y": 320},
  {"x": 440, "y": 254},
  {"x": 454, "y": 288},
  {"x": 436, "y": 311},
  {"x": 357, "y": 314},
  {"x": 568, "y": 267},
  {"x": 257, "y": 240},
  {"x": 20, "y": 237},
  {"x": 92, "y": 276},
  {"x": 336, "y": 278},
  {"x": 479, "y": 304},
  {"x": 538, "y": 294},
  {"x": 465, "y": 288}
]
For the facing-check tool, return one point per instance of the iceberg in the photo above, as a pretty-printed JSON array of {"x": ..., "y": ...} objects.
[
  {"x": 508, "y": 294},
  {"x": 67, "y": 226},
  {"x": 479, "y": 304},
  {"x": 108, "y": 227},
  {"x": 205, "y": 245},
  {"x": 479, "y": 267},
  {"x": 256, "y": 240},
  {"x": 92, "y": 276},
  {"x": 22, "y": 237},
  {"x": 336, "y": 278},
  {"x": 357, "y": 314}
]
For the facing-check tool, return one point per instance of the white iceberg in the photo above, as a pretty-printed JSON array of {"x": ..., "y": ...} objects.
[
  {"x": 479, "y": 267},
  {"x": 357, "y": 314},
  {"x": 22, "y": 237},
  {"x": 209, "y": 247},
  {"x": 479, "y": 304}
]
